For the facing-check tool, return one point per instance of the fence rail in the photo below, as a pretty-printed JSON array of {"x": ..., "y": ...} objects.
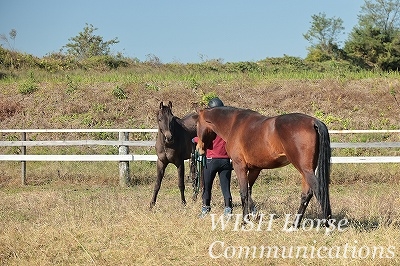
[
  {"x": 32, "y": 143},
  {"x": 124, "y": 157}
]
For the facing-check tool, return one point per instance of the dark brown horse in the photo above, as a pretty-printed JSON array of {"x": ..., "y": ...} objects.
[
  {"x": 255, "y": 142},
  {"x": 173, "y": 145}
]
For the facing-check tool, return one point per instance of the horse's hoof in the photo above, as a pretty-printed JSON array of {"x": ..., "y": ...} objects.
[
  {"x": 254, "y": 211},
  {"x": 152, "y": 204},
  {"x": 194, "y": 197}
]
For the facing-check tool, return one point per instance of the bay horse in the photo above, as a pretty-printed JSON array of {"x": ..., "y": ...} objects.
[
  {"x": 255, "y": 142},
  {"x": 173, "y": 145}
]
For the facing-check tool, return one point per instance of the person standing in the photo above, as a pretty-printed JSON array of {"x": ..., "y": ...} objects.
[{"x": 217, "y": 161}]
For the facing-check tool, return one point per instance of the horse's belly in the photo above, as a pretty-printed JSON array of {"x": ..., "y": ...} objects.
[{"x": 270, "y": 163}]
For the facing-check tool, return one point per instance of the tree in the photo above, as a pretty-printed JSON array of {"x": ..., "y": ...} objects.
[
  {"x": 375, "y": 41},
  {"x": 383, "y": 14},
  {"x": 8, "y": 58},
  {"x": 323, "y": 35},
  {"x": 12, "y": 34},
  {"x": 86, "y": 44}
]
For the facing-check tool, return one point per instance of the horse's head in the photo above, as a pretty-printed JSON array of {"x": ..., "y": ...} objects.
[
  {"x": 165, "y": 120},
  {"x": 204, "y": 132}
]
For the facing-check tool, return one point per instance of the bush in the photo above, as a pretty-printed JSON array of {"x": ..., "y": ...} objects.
[
  {"x": 8, "y": 108},
  {"x": 207, "y": 97},
  {"x": 317, "y": 55},
  {"x": 284, "y": 64},
  {"x": 243, "y": 67},
  {"x": 104, "y": 62},
  {"x": 29, "y": 86},
  {"x": 119, "y": 93},
  {"x": 14, "y": 60},
  {"x": 58, "y": 62}
]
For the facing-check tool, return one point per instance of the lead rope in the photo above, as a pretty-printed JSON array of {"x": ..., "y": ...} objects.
[{"x": 200, "y": 161}]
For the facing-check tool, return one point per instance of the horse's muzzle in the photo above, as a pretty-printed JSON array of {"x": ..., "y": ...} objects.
[{"x": 169, "y": 138}]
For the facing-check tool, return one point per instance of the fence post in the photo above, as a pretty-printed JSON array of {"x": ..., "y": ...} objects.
[
  {"x": 124, "y": 175},
  {"x": 23, "y": 163}
]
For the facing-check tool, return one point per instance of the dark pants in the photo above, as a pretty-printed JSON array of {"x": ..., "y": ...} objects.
[{"x": 224, "y": 169}]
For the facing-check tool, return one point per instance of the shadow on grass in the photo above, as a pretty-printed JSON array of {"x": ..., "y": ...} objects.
[
  {"x": 361, "y": 224},
  {"x": 368, "y": 224}
]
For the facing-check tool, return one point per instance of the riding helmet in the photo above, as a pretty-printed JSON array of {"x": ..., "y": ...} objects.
[{"x": 215, "y": 102}]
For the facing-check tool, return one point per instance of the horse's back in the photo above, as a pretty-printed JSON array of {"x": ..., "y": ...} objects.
[
  {"x": 294, "y": 118},
  {"x": 270, "y": 141},
  {"x": 294, "y": 123},
  {"x": 248, "y": 124}
]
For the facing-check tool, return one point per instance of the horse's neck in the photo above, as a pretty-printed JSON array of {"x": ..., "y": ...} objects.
[
  {"x": 177, "y": 121},
  {"x": 222, "y": 128}
]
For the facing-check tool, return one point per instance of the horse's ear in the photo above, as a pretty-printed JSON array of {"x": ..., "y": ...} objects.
[
  {"x": 170, "y": 104},
  {"x": 161, "y": 105}
]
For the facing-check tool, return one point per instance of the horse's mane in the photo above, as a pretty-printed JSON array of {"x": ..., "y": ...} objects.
[
  {"x": 189, "y": 115},
  {"x": 231, "y": 109}
]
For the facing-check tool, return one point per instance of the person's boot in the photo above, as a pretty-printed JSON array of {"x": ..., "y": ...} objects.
[
  {"x": 227, "y": 212},
  {"x": 204, "y": 211}
]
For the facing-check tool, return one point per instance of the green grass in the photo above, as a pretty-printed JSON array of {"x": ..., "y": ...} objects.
[{"x": 188, "y": 73}]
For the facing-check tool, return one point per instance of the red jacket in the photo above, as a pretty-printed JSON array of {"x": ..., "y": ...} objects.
[{"x": 217, "y": 151}]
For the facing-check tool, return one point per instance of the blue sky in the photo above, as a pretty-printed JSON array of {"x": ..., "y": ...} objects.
[{"x": 175, "y": 31}]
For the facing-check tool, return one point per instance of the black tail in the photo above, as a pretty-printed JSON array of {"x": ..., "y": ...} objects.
[{"x": 324, "y": 168}]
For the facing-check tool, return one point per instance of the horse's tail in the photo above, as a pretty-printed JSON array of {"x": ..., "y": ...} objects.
[{"x": 323, "y": 168}]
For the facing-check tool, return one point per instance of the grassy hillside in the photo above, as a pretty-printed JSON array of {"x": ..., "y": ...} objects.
[
  {"x": 128, "y": 97},
  {"x": 74, "y": 213}
]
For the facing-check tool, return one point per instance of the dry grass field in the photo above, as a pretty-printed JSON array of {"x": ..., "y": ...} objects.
[
  {"x": 84, "y": 222},
  {"x": 76, "y": 214}
]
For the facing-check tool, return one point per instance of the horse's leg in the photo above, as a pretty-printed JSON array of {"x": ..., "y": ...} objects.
[
  {"x": 314, "y": 188},
  {"x": 252, "y": 176},
  {"x": 181, "y": 181},
  {"x": 308, "y": 185},
  {"x": 160, "y": 174},
  {"x": 241, "y": 174}
]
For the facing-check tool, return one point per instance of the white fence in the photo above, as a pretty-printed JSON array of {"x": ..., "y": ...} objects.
[
  {"x": 363, "y": 159},
  {"x": 123, "y": 143}
]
